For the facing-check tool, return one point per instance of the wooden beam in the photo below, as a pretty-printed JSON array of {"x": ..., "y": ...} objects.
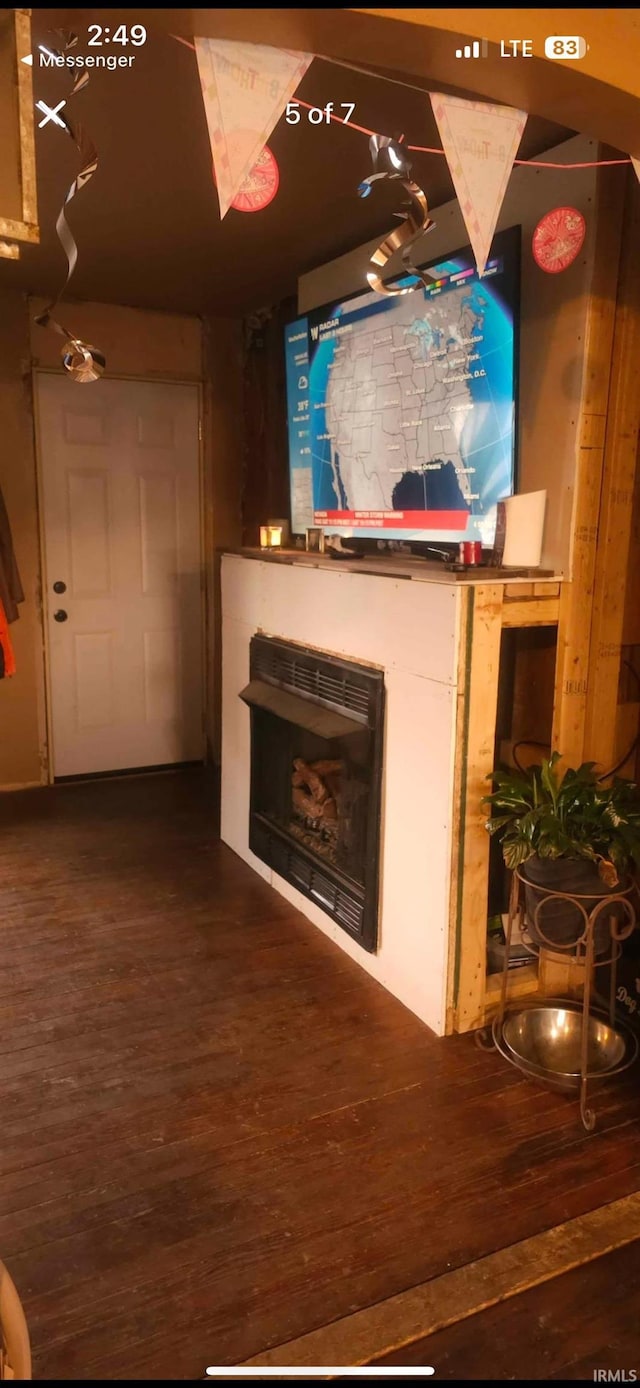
[
  {"x": 571, "y": 699},
  {"x": 471, "y": 841},
  {"x": 574, "y": 626},
  {"x": 598, "y": 95},
  {"x": 546, "y": 588},
  {"x": 531, "y": 612},
  {"x": 611, "y": 56},
  {"x": 456, "y": 880},
  {"x": 520, "y": 984},
  {"x": 616, "y": 509}
]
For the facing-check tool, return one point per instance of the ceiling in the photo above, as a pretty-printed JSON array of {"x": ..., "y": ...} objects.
[{"x": 147, "y": 225}]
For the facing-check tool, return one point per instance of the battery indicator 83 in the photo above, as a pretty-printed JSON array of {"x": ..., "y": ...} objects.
[{"x": 565, "y": 46}]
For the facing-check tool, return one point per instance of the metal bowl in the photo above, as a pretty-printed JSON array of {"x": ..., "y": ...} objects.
[{"x": 545, "y": 1040}]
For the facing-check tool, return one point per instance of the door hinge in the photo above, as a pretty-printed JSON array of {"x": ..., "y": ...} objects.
[{"x": 200, "y": 430}]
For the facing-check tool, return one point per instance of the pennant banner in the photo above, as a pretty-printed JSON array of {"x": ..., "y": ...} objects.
[
  {"x": 245, "y": 87},
  {"x": 480, "y": 142}
]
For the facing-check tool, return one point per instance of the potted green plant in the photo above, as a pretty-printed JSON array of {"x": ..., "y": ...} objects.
[{"x": 567, "y": 833}]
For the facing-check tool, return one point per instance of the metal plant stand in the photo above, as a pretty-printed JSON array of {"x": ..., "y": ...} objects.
[{"x": 596, "y": 912}]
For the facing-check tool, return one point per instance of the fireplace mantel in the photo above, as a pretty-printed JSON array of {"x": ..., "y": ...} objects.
[
  {"x": 397, "y": 566},
  {"x": 437, "y": 639}
]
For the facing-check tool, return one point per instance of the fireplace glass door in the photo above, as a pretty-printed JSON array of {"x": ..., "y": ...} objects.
[{"x": 316, "y": 740}]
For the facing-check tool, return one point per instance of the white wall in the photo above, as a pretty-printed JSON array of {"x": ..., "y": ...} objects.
[
  {"x": 408, "y": 628},
  {"x": 553, "y": 318}
]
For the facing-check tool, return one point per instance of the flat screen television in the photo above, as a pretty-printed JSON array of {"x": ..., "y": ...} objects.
[{"x": 402, "y": 411}]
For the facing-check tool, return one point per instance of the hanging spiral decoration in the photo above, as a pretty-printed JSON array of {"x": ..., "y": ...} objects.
[
  {"x": 415, "y": 219},
  {"x": 81, "y": 360}
]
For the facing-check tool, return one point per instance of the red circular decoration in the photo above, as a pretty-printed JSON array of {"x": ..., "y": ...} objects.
[
  {"x": 260, "y": 186},
  {"x": 558, "y": 238}
]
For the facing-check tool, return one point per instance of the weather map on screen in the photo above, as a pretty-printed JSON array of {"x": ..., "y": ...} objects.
[{"x": 402, "y": 410}]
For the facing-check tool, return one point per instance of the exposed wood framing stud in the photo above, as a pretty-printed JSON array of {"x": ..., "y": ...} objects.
[
  {"x": 606, "y": 735},
  {"x": 574, "y": 628}
]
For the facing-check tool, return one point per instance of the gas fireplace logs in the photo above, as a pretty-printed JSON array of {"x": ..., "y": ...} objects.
[{"x": 315, "y": 787}]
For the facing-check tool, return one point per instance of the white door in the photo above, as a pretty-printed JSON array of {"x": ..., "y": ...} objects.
[{"x": 119, "y": 464}]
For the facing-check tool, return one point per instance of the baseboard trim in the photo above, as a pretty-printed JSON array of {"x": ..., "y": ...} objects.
[
  {"x": 22, "y": 785},
  {"x": 164, "y": 769}
]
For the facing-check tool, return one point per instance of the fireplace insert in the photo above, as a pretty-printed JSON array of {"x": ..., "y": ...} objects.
[{"x": 316, "y": 773}]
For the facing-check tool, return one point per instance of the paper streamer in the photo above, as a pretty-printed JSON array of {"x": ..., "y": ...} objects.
[
  {"x": 245, "y": 87},
  {"x": 480, "y": 142},
  {"x": 81, "y": 360},
  {"x": 415, "y": 221}
]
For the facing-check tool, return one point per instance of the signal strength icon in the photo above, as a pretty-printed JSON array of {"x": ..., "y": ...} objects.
[{"x": 478, "y": 49}]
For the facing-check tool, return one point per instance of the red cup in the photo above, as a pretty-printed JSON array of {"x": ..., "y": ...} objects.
[{"x": 472, "y": 552}]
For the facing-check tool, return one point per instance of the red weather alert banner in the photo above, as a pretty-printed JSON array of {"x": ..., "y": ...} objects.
[{"x": 394, "y": 520}]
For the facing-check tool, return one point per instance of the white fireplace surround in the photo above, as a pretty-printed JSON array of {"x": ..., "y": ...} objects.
[{"x": 409, "y": 628}]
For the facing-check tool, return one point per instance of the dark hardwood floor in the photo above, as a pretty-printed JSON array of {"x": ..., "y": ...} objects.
[
  {"x": 567, "y": 1329},
  {"x": 216, "y": 1132}
]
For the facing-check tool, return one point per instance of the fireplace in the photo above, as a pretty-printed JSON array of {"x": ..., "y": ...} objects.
[{"x": 316, "y": 770}]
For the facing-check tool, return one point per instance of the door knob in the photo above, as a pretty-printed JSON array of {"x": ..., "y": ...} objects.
[
  {"x": 59, "y": 586},
  {"x": 60, "y": 615}
]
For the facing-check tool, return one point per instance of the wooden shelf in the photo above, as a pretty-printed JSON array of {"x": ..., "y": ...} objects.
[
  {"x": 517, "y": 584},
  {"x": 520, "y": 984}
]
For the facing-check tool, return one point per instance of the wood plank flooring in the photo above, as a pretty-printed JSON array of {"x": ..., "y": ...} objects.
[
  {"x": 567, "y": 1329},
  {"x": 216, "y": 1132},
  {"x": 412, "y": 1317}
]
